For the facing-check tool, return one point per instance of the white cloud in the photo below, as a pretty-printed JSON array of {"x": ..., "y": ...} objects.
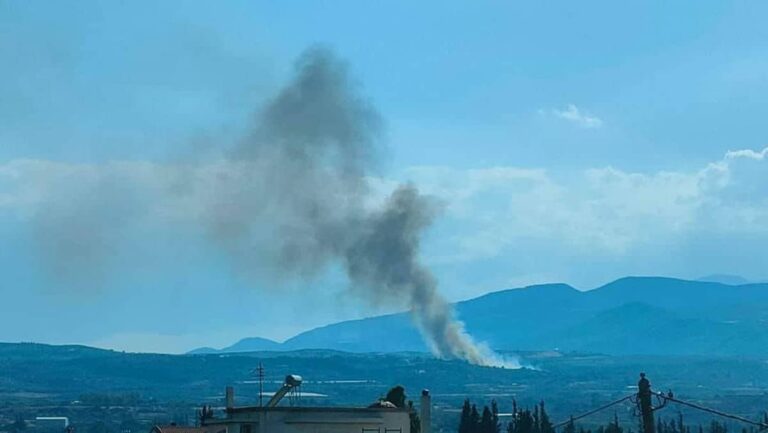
[
  {"x": 580, "y": 118},
  {"x": 598, "y": 213},
  {"x": 747, "y": 153}
]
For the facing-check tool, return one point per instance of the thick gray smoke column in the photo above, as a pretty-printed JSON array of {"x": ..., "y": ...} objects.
[
  {"x": 286, "y": 202},
  {"x": 384, "y": 257},
  {"x": 291, "y": 193},
  {"x": 294, "y": 192}
]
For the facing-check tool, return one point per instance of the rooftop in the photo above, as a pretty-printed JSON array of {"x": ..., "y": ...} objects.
[{"x": 311, "y": 409}]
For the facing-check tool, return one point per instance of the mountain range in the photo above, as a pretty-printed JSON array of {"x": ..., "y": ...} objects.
[{"x": 633, "y": 315}]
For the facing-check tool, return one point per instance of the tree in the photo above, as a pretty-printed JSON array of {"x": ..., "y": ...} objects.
[
  {"x": 486, "y": 421},
  {"x": 464, "y": 421},
  {"x": 614, "y": 427},
  {"x": 716, "y": 427},
  {"x": 536, "y": 419},
  {"x": 680, "y": 423},
  {"x": 545, "y": 425},
  {"x": 396, "y": 396},
  {"x": 474, "y": 420},
  {"x": 523, "y": 421},
  {"x": 495, "y": 416}
]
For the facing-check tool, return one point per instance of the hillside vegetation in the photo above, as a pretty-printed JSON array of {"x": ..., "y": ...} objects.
[{"x": 684, "y": 318}]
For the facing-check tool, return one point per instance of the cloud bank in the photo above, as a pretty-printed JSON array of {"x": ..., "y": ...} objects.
[
  {"x": 601, "y": 210},
  {"x": 595, "y": 212}
]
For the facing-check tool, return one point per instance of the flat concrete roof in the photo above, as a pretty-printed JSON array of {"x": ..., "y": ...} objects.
[{"x": 314, "y": 409}]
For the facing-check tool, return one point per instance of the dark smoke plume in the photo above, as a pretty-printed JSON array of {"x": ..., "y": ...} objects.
[
  {"x": 384, "y": 257},
  {"x": 297, "y": 200},
  {"x": 289, "y": 200}
]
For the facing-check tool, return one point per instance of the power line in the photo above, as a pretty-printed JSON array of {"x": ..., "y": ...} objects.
[
  {"x": 761, "y": 425},
  {"x": 713, "y": 411},
  {"x": 594, "y": 411}
]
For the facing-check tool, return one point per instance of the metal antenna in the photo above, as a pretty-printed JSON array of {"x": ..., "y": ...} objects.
[{"x": 261, "y": 384}]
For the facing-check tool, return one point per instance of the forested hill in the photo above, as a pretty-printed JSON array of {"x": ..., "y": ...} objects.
[{"x": 634, "y": 315}]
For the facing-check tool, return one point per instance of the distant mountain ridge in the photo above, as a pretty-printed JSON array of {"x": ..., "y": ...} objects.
[
  {"x": 732, "y": 280},
  {"x": 632, "y": 315},
  {"x": 250, "y": 344}
]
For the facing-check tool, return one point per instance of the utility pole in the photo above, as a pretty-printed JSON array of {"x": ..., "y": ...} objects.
[
  {"x": 644, "y": 401},
  {"x": 261, "y": 384}
]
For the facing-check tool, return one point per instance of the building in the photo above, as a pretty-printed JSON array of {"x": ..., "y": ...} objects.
[
  {"x": 313, "y": 420},
  {"x": 382, "y": 417},
  {"x": 51, "y": 424},
  {"x": 173, "y": 428}
]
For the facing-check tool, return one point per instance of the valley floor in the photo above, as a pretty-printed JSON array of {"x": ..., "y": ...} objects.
[{"x": 113, "y": 392}]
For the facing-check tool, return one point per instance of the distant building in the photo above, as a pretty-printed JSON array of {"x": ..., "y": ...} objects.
[
  {"x": 173, "y": 428},
  {"x": 382, "y": 417},
  {"x": 51, "y": 424}
]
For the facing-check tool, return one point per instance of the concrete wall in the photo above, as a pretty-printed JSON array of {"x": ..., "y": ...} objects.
[{"x": 315, "y": 420}]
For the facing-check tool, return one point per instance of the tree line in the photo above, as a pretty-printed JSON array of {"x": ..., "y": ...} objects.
[
  {"x": 487, "y": 421},
  {"x": 536, "y": 420}
]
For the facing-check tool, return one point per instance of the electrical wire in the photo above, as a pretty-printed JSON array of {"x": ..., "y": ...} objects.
[
  {"x": 665, "y": 398},
  {"x": 714, "y": 411},
  {"x": 593, "y": 411}
]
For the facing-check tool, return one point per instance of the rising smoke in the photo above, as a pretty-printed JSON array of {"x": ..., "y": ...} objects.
[
  {"x": 384, "y": 257},
  {"x": 303, "y": 204},
  {"x": 292, "y": 198}
]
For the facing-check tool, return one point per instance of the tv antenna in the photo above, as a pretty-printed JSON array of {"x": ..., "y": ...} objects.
[{"x": 260, "y": 372}]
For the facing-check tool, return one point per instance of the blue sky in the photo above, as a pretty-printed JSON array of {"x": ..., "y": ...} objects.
[{"x": 568, "y": 141}]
